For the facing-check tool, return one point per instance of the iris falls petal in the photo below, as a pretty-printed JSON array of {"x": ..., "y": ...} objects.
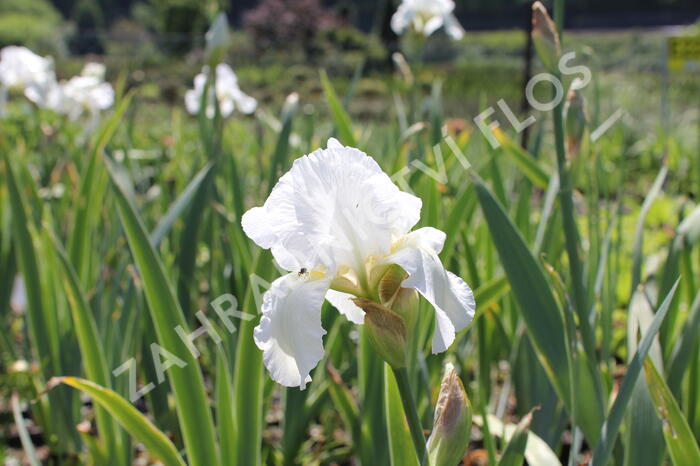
[{"x": 290, "y": 333}]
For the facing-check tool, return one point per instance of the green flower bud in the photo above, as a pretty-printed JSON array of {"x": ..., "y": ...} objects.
[
  {"x": 576, "y": 119},
  {"x": 217, "y": 38},
  {"x": 403, "y": 301},
  {"x": 405, "y": 304},
  {"x": 386, "y": 331},
  {"x": 390, "y": 283},
  {"x": 449, "y": 439},
  {"x": 545, "y": 37}
]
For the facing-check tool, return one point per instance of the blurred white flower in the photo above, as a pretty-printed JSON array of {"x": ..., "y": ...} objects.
[
  {"x": 226, "y": 92},
  {"x": 337, "y": 222},
  {"x": 95, "y": 70},
  {"x": 18, "y": 298},
  {"x": 23, "y": 70},
  {"x": 85, "y": 93},
  {"x": 426, "y": 17}
]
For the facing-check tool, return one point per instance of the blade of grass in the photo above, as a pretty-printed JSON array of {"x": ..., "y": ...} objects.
[
  {"x": 687, "y": 234},
  {"x": 514, "y": 454},
  {"x": 611, "y": 426},
  {"x": 685, "y": 345},
  {"x": 401, "y": 449},
  {"x": 371, "y": 387},
  {"x": 180, "y": 205},
  {"x": 536, "y": 451},
  {"x": 28, "y": 265},
  {"x": 644, "y": 445},
  {"x": 7, "y": 269},
  {"x": 296, "y": 420},
  {"x": 527, "y": 164},
  {"x": 43, "y": 329},
  {"x": 282, "y": 146},
  {"x": 24, "y": 437},
  {"x": 190, "y": 396},
  {"x": 134, "y": 422},
  {"x": 94, "y": 359},
  {"x": 679, "y": 438},
  {"x": 639, "y": 230},
  {"x": 491, "y": 291},
  {"x": 224, "y": 408},
  {"x": 91, "y": 192},
  {"x": 571, "y": 233},
  {"x": 345, "y": 403},
  {"x": 248, "y": 375},
  {"x": 539, "y": 309},
  {"x": 186, "y": 259},
  {"x": 342, "y": 120}
]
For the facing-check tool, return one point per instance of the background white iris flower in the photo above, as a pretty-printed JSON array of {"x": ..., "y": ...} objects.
[
  {"x": 86, "y": 93},
  {"x": 226, "y": 91},
  {"x": 24, "y": 71},
  {"x": 426, "y": 17},
  {"x": 337, "y": 216}
]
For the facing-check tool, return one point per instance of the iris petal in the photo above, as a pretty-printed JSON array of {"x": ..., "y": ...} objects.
[
  {"x": 453, "y": 300},
  {"x": 343, "y": 302},
  {"x": 334, "y": 207},
  {"x": 290, "y": 333}
]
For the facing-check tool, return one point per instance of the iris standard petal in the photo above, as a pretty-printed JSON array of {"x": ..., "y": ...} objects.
[
  {"x": 225, "y": 76},
  {"x": 453, "y": 300},
  {"x": 334, "y": 207},
  {"x": 290, "y": 333}
]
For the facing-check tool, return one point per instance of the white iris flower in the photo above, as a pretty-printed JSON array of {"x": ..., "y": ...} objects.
[
  {"x": 24, "y": 71},
  {"x": 85, "y": 93},
  {"x": 227, "y": 92},
  {"x": 426, "y": 17},
  {"x": 337, "y": 222}
]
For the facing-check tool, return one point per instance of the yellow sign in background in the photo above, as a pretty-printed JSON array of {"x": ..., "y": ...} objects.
[{"x": 684, "y": 53}]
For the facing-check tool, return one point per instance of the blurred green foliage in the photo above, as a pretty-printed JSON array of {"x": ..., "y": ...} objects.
[
  {"x": 181, "y": 23},
  {"x": 33, "y": 23}
]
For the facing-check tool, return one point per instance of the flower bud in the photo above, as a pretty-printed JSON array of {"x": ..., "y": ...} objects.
[
  {"x": 403, "y": 301},
  {"x": 406, "y": 305},
  {"x": 403, "y": 67},
  {"x": 386, "y": 331},
  {"x": 576, "y": 119},
  {"x": 390, "y": 283},
  {"x": 449, "y": 439},
  {"x": 217, "y": 38},
  {"x": 289, "y": 108},
  {"x": 545, "y": 37}
]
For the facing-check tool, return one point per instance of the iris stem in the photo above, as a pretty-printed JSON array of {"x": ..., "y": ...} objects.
[
  {"x": 571, "y": 235},
  {"x": 409, "y": 408}
]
